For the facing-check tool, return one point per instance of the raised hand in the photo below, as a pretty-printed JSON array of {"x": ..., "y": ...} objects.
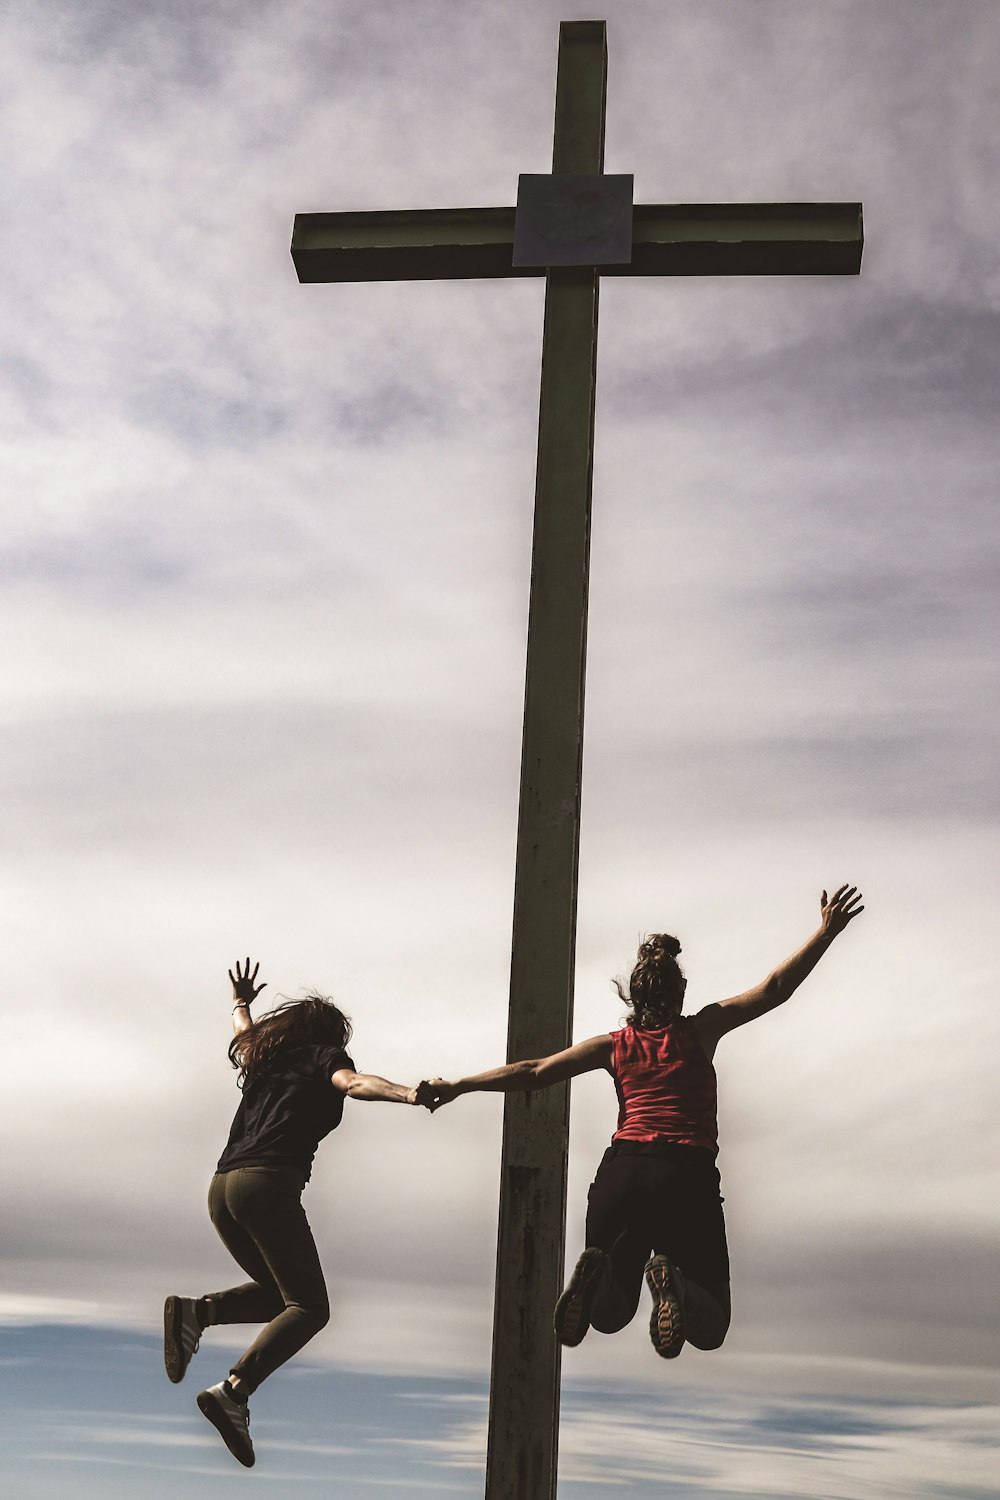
[
  {"x": 840, "y": 908},
  {"x": 433, "y": 1092},
  {"x": 244, "y": 992}
]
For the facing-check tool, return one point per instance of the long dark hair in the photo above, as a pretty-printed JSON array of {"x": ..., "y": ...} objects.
[
  {"x": 656, "y": 987},
  {"x": 296, "y": 1023}
]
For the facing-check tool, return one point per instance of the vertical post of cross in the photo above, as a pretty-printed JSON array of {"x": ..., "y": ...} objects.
[{"x": 524, "y": 1388}]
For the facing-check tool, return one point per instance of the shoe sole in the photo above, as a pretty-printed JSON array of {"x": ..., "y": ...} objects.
[
  {"x": 666, "y": 1323},
  {"x": 174, "y": 1358},
  {"x": 571, "y": 1319},
  {"x": 210, "y": 1408}
]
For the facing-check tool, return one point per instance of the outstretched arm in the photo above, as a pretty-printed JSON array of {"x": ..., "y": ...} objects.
[
  {"x": 836, "y": 912},
  {"x": 370, "y": 1086},
  {"x": 532, "y": 1073},
  {"x": 244, "y": 994}
]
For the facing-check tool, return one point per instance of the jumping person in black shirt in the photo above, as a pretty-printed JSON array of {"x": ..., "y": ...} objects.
[{"x": 295, "y": 1075}]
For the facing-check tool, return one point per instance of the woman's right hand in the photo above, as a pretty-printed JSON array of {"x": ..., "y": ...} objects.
[{"x": 433, "y": 1092}]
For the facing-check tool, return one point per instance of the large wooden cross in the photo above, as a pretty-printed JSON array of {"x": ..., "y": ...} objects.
[{"x": 572, "y": 227}]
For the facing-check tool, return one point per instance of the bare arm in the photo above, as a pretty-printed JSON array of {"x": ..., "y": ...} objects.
[
  {"x": 532, "y": 1073},
  {"x": 370, "y": 1086},
  {"x": 244, "y": 994},
  {"x": 836, "y": 912}
]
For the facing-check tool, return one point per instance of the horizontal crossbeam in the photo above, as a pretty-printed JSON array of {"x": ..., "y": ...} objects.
[{"x": 676, "y": 239}]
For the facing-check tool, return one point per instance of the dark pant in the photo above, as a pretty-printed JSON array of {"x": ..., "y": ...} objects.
[
  {"x": 259, "y": 1217},
  {"x": 652, "y": 1198}
]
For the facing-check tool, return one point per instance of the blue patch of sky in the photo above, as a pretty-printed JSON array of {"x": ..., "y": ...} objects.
[
  {"x": 81, "y": 1400},
  {"x": 77, "y": 1399}
]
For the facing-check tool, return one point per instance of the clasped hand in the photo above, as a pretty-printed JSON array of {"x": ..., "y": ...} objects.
[{"x": 433, "y": 1092}]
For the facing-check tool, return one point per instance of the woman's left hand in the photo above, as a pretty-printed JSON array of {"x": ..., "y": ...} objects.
[
  {"x": 840, "y": 908},
  {"x": 244, "y": 992}
]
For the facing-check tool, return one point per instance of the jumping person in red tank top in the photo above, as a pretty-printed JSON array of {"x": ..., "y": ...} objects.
[{"x": 654, "y": 1208}]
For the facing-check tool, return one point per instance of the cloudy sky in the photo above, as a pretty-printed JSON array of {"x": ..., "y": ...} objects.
[{"x": 264, "y": 559}]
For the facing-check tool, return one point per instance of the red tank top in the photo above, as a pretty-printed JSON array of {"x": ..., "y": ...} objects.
[{"x": 666, "y": 1086}]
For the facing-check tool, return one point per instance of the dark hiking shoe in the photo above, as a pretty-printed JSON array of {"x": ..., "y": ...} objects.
[
  {"x": 666, "y": 1325},
  {"x": 231, "y": 1418},
  {"x": 181, "y": 1335},
  {"x": 572, "y": 1315}
]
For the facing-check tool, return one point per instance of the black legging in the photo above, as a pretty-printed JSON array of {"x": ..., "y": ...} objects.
[
  {"x": 259, "y": 1217},
  {"x": 652, "y": 1198}
]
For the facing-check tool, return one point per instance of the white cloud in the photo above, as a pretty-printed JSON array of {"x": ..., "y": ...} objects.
[
  {"x": 28, "y": 1309},
  {"x": 778, "y": 1446}
]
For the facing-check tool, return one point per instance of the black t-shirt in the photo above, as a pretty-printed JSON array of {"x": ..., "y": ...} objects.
[{"x": 285, "y": 1114}]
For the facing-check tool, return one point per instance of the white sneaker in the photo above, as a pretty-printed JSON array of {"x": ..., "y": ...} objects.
[
  {"x": 181, "y": 1335},
  {"x": 231, "y": 1418}
]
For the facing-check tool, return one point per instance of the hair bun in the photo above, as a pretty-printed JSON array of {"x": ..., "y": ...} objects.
[{"x": 657, "y": 945}]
